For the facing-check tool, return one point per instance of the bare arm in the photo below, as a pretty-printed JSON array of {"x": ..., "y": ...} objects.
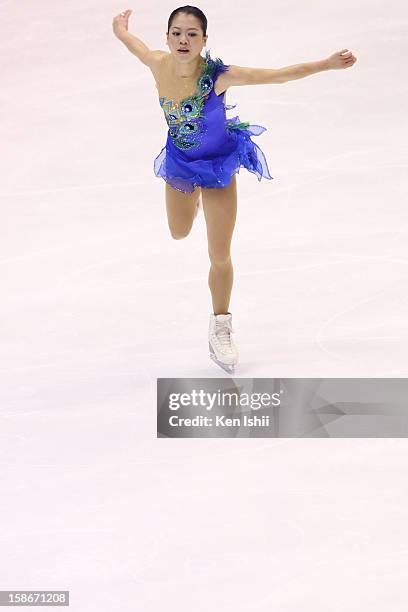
[
  {"x": 239, "y": 75},
  {"x": 133, "y": 43}
]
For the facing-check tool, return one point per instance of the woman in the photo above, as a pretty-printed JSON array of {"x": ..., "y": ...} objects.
[{"x": 204, "y": 150}]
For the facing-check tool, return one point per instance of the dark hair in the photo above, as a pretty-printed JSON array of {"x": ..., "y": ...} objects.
[{"x": 190, "y": 10}]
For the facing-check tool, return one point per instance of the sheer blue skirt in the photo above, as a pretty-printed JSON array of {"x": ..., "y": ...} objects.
[{"x": 186, "y": 172}]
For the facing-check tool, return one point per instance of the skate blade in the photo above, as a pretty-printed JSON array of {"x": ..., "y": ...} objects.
[{"x": 228, "y": 368}]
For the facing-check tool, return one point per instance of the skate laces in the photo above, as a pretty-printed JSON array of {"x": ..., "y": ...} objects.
[{"x": 223, "y": 332}]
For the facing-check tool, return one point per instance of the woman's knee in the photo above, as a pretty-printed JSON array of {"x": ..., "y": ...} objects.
[
  {"x": 179, "y": 233},
  {"x": 219, "y": 257}
]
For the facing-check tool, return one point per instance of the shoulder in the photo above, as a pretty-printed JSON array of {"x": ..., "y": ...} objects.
[
  {"x": 154, "y": 59},
  {"x": 220, "y": 76},
  {"x": 241, "y": 75}
]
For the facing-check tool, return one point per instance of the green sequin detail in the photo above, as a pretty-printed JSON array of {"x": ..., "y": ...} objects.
[
  {"x": 184, "y": 117},
  {"x": 238, "y": 126}
]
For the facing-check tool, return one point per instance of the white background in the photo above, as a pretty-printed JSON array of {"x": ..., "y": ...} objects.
[{"x": 98, "y": 301}]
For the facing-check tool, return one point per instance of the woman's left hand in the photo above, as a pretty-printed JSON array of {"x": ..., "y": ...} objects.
[{"x": 341, "y": 59}]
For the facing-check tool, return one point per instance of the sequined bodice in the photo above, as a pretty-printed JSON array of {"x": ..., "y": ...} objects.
[{"x": 187, "y": 119}]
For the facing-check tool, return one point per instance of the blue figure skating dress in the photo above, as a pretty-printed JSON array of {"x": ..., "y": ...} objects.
[{"x": 203, "y": 147}]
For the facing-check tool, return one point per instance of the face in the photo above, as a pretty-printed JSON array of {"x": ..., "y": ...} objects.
[{"x": 186, "y": 33}]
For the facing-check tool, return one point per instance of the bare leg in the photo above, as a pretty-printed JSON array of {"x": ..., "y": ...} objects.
[
  {"x": 181, "y": 210},
  {"x": 220, "y": 210}
]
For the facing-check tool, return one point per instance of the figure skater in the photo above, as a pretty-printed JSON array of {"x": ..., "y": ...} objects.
[{"x": 204, "y": 150}]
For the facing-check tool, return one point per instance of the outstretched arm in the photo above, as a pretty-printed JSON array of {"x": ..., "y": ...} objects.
[
  {"x": 134, "y": 44},
  {"x": 239, "y": 75}
]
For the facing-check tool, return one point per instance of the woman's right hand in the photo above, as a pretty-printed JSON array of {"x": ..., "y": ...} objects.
[{"x": 120, "y": 22}]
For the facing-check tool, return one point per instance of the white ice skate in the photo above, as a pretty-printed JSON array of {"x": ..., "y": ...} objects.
[{"x": 222, "y": 348}]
